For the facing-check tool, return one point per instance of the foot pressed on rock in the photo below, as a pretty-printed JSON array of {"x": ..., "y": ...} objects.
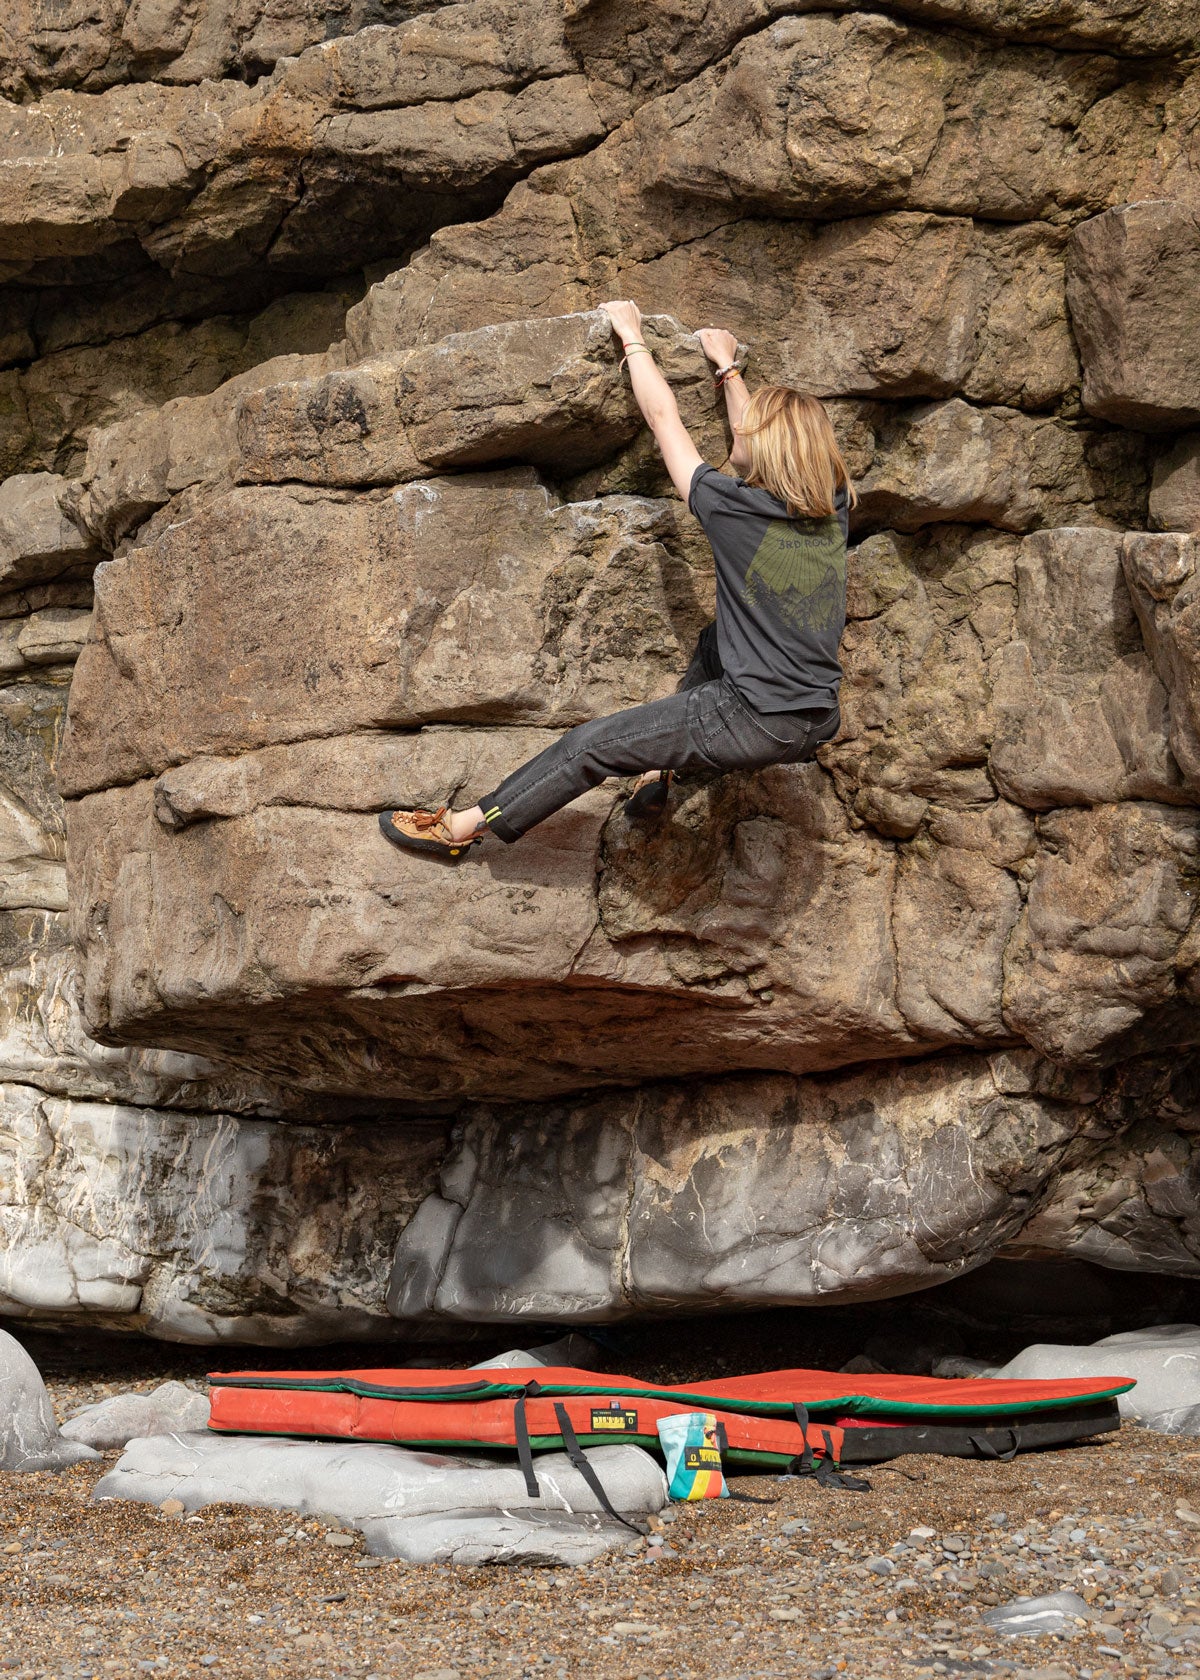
[
  {"x": 428, "y": 832},
  {"x": 648, "y": 801}
]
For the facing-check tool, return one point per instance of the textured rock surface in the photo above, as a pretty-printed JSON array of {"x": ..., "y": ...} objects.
[
  {"x": 1161, "y": 572},
  {"x": 1175, "y": 492},
  {"x": 773, "y": 922},
  {"x": 749, "y": 1191},
  {"x": 836, "y": 1031},
  {"x": 760, "y": 1191},
  {"x": 105, "y": 363},
  {"x": 1133, "y": 303},
  {"x": 200, "y": 1227}
]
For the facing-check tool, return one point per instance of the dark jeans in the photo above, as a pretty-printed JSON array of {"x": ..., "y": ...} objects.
[{"x": 705, "y": 726}]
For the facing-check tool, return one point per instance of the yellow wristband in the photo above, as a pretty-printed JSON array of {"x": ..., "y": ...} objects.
[{"x": 634, "y": 350}]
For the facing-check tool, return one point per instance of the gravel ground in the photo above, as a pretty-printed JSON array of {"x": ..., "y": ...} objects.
[{"x": 818, "y": 1583}]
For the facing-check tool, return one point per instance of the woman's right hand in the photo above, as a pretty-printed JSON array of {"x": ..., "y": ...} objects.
[
  {"x": 626, "y": 319},
  {"x": 718, "y": 345}
]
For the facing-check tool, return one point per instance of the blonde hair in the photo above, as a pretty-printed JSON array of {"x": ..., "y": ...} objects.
[{"x": 793, "y": 452}]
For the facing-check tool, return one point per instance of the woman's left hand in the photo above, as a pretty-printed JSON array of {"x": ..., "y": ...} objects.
[{"x": 626, "y": 318}]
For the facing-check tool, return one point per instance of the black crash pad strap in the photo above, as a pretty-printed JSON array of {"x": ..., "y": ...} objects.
[
  {"x": 579, "y": 1459},
  {"x": 524, "y": 1450}
]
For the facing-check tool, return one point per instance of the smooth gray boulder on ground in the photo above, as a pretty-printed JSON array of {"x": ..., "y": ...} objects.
[
  {"x": 470, "y": 1538},
  {"x": 381, "y": 1489},
  {"x": 172, "y": 1406},
  {"x": 1058, "y": 1612},
  {"x": 1164, "y": 1360},
  {"x": 29, "y": 1437}
]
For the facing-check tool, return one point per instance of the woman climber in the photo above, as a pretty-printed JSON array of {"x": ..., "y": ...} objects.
[{"x": 762, "y": 686}]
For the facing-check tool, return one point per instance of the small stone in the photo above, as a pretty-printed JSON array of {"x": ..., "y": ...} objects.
[
  {"x": 921, "y": 1533},
  {"x": 1158, "y": 1627},
  {"x": 881, "y": 1566},
  {"x": 437, "y": 1674},
  {"x": 786, "y": 1615},
  {"x": 172, "y": 1507},
  {"x": 625, "y": 1629},
  {"x": 1028, "y": 1617},
  {"x": 336, "y": 1538}
]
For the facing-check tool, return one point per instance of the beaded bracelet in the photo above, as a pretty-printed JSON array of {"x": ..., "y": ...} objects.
[{"x": 727, "y": 373}]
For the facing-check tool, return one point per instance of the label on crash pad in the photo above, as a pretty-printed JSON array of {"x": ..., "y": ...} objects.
[{"x": 614, "y": 1420}]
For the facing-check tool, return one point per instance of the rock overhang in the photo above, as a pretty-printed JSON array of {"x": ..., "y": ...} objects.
[{"x": 881, "y": 902}]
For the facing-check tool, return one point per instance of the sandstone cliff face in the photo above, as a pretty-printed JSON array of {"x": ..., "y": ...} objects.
[{"x": 288, "y": 539}]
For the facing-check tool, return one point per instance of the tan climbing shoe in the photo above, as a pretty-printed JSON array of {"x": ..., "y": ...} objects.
[{"x": 427, "y": 832}]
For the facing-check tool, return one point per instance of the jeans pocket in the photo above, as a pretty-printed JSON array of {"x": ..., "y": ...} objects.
[{"x": 734, "y": 739}]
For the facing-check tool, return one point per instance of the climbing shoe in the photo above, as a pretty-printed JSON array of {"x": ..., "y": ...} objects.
[
  {"x": 427, "y": 832},
  {"x": 647, "y": 803}
]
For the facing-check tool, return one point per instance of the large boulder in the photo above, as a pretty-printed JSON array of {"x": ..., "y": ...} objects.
[
  {"x": 29, "y": 1435},
  {"x": 952, "y": 962},
  {"x": 423, "y": 1506},
  {"x": 1164, "y": 1361},
  {"x": 771, "y": 922}
]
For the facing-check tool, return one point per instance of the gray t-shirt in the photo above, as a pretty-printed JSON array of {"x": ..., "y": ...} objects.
[{"x": 781, "y": 592}]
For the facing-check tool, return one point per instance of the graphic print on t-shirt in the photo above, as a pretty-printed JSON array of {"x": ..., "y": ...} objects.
[{"x": 800, "y": 567}]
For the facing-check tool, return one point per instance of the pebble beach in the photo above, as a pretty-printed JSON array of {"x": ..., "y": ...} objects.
[{"x": 805, "y": 1581}]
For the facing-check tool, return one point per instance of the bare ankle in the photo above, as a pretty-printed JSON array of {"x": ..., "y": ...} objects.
[{"x": 463, "y": 824}]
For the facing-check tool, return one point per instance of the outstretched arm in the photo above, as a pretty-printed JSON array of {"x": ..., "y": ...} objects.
[
  {"x": 655, "y": 398},
  {"x": 721, "y": 348}
]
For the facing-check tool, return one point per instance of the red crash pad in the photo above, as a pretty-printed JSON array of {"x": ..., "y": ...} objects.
[{"x": 768, "y": 1418}]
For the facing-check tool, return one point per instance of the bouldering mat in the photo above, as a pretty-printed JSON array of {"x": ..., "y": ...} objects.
[{"x": 773, "y": 1418}]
